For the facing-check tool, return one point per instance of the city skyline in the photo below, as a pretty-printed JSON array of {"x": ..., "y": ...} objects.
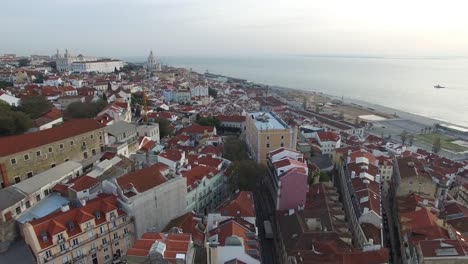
[{"x": 184, "y": 27}]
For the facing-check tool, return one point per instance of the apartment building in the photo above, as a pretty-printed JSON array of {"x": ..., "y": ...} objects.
[
  {"x": 265, "y": 132},
  {"x": 287, "y": 178},
  {"x": 23, "y": 156},
  {"x": 97, "y": 232}
]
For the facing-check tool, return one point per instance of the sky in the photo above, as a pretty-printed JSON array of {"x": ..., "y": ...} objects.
[{"x": 123, "y": 28}]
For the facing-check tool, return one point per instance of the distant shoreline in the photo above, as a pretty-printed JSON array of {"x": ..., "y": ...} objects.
[{"x": 417, "y": 118}]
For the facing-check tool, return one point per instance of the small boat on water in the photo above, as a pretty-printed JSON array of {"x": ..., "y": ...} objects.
[{"x": 439, "y": 86}]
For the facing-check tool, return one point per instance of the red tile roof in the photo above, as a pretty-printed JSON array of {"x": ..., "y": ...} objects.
[
  {"x": 144, "y": 179},
  {"x": 328, "y": 136},
  {"x": 57, "y": 222},
  {"x": 241, "y": 205},
  {"x": 172, "y": 154},
  {"x": 82, "y": 183},
  {"x": 189, "y": 223},
  {"x": 197, "y": 173},
  {"x": 197, "y": 129},
  {"x": 44, "y": 137},
  {"x": 286, "y": 162},
  {"x": 175, "y": 244}
]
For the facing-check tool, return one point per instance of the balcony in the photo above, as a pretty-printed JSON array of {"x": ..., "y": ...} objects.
[{"x": 61, "y": 241}]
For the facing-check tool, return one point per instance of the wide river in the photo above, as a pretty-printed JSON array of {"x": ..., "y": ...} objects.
[{"x": 405, "y": 84}]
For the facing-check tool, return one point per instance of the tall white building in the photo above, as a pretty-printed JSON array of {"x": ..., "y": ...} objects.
[
  {"x": 152, "y": 63},
  {"x": 81, "y": 63}
]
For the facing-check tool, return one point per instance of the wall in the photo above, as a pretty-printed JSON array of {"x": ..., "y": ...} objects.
[
  {"x": 58, "y": 156},
  {"x": 156, "y": 207}
]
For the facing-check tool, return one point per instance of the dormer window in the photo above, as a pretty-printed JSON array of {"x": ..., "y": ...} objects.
[
  {"x": 97, "y": 214},
  {"x": 44, "y": 237},
  {"x": 70, "y": 225}
]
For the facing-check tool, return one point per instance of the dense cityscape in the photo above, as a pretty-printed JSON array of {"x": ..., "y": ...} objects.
[{"x": 105, "y": 161}]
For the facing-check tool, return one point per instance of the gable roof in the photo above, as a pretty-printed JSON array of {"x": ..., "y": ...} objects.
[
  {"x": 44, "y": 137},
  {"x": 241, "y": 205},
  {"x": 142, "y": 180}
]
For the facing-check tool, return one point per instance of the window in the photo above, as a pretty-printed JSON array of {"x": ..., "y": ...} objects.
[
  {"x": 85, "y": 155},
  {"x": 38, "y": 198},
  {"x": 67, "y": 159},
  {"x": 52, "y": 165},
  {"x": 62, "y": 248},
  {"x": 90, "y": 234},
  {"x": 282, "y": 144},
  {"x": 116, "y": 236},
  {"x": 282, "y": 137},
  {"x": 28, "y": 204},
  {"x": 30, "y": 174},
  {"x": 93, "y": 246},
  {"x": 83, "y": 144},
  {"x": 101, "y": 229},
  {"x": 100, "y": 137},
  {"x": 51, "y": 150},
  {"x": 60, "y": 236},
  {"x": 92, "y": 136},
  {"x": 26, "y": 157},
  {"x": 18, "y": 210},
  {"x": 124, "y": 219},
  {"x": 65, "y": 258},
  {"x": 13, "y": 161},
  {"x": 46, "y": 192},
  {"x": 61, "y": 146},
  {"x": 17, "y": 179},
  {"x": 116, "y": 244},
  {"x": 48, "y": 253},
  {"x": 75, "y": 241},
  {"x": 72, "y": 143},
  {"x": 106, "y": 257},
  {"x": 268, "y": 137},
  {"x": 126, "y": 230},
  {"x": 268, "y": 145},
  {"x": 38, "y": 153},
  {"x": 93, "y": 151},
  {"x": 104, "y": 241}
]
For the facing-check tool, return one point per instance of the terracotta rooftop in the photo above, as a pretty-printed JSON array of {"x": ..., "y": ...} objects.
[
  {"x": 59, "y": 221},
  {"x": 142, "y": 180},
  {"x": 28, "y": 141},
  {"x": 189, "y": 223},
  {"x": 241, "y": 205},
  {"x": 175, "y": 244}
]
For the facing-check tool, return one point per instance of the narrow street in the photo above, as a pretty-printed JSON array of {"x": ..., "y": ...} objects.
[{"x": 264, "y": 210}]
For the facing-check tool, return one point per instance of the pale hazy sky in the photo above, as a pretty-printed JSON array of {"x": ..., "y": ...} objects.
[{"x": 235, "y": 27}]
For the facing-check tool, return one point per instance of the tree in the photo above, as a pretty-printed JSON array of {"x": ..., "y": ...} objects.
[
  {"x": 234, "y": 149},
  {"x": 324, "y": 176},
  {"x": 34, "y": 106},
  {"x": 13, "y": 122},
  {"x": 243, "y": 175},
  {"x": 410, "y": 139},
  {"x": 209, "y": 121},
  {"x": 85, "y": 110},
  {"x": 314, "y": 175},
  {"x": 403, "y": 137},
  {"x": 436, "y": 144},
  {"x": 164, "y": 127},
  {"x": 104, "y": 97},
  {"x": 39, "y": 78},
  {"x": 212, "y": 92},
  {"x": 23, "y": 62},
  {"x": 4, "y": 84}
]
